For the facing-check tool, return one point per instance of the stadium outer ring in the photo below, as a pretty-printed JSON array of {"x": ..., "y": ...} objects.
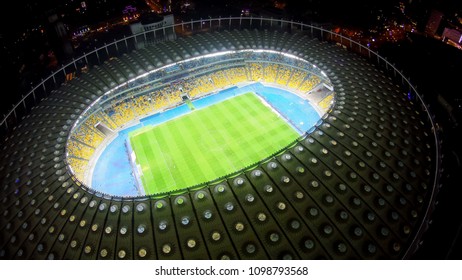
[{"x": 18, "y": 239}]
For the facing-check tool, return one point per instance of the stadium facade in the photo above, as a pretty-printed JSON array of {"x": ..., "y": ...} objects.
[{"x": 361, "y": 184}]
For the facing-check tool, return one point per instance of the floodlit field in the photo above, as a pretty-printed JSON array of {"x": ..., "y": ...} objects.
[{"x": 208, "y": 143}]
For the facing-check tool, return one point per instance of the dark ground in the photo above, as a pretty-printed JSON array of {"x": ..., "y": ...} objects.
[{"x": 436, "y": 69}]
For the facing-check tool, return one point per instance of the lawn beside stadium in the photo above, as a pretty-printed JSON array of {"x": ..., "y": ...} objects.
[{"x": 208, "y": 143}]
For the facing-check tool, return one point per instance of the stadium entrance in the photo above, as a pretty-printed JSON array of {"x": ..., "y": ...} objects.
[{"x": 187, "y": 101}]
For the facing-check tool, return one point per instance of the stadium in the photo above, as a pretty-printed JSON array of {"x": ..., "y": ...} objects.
[{"x": 224, "y": 138}]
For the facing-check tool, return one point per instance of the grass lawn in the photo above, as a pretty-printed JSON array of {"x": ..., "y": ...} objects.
[{"x": 208, "y": 143}]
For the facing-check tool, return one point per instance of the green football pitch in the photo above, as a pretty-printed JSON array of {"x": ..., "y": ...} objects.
[{"x": 208, "y": 143}]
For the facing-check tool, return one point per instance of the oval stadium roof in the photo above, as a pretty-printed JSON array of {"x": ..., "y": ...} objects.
[{"x": 356, "y": 187}]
